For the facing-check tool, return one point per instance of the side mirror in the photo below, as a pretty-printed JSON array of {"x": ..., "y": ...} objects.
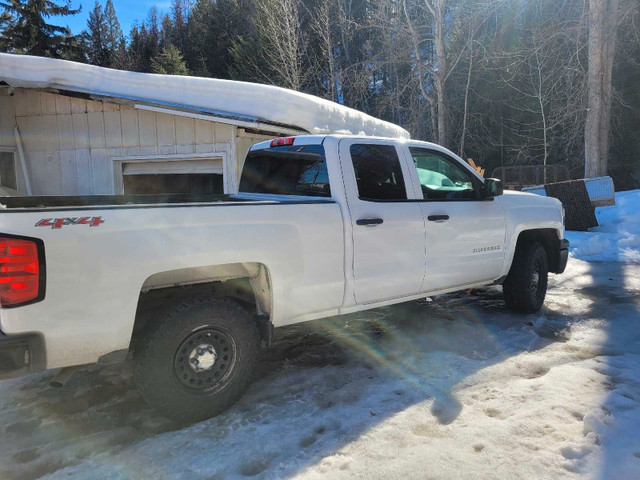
[{"x": 492, "y": 188}]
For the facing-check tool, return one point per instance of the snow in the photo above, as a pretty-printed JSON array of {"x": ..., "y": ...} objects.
[
  {"x": 618, "y": 235},
  {"x": 263, "y": 102},
  {"x": 455, "y": 387}
]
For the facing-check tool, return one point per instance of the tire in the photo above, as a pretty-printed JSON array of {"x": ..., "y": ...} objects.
[
  {"x": 198, "y": 360},
  {"x": 525, "y": 287}
]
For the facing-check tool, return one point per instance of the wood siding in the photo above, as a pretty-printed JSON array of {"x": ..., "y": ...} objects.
[{"x": 69, "y": 143}]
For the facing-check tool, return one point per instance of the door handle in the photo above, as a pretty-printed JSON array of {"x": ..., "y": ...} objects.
[
  {"x": 369, "y": 221},
  {"x": 438, "y": 218}
]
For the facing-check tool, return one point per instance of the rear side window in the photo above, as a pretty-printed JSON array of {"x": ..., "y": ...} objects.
[
  {"x": 378, "y": 172},
  {"x": 288, "y": 170}
]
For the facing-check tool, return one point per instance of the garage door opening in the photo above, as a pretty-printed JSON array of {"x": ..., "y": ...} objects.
[{"x": 175, "y": 176}]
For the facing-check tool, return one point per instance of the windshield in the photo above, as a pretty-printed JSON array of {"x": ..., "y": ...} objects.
[{"x": 288, "y": 170}]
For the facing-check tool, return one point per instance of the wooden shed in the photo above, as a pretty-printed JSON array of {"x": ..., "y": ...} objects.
[{"x": 73, "y": 129}]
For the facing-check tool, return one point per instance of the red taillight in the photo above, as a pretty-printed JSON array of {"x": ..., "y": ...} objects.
[
  {"x": 282, "y": 142},
  {"x": 19, "y": 271}
]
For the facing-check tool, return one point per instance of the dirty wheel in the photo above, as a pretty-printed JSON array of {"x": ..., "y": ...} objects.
[
  {"x": 198, "y": 360},
  {"x": 525, "y": 287}
]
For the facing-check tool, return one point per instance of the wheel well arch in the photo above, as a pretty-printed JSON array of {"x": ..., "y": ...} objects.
[
  {"x": 249, "y": 283},
  {"x": 549, "y": 237}
]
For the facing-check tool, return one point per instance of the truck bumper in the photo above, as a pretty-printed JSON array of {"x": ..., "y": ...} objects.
[
  {"x": 21, "y": 355},
  {"x": 563, "y": 255}
]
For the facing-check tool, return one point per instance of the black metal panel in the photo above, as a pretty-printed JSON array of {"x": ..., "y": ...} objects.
[{"x": 579, "y": 213}]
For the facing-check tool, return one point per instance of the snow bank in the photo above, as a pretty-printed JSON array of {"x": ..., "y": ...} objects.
[
  {"x": 264, "y": 102},
  {"x": 617, "y": 237}
]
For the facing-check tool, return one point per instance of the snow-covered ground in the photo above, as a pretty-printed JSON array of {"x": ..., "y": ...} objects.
[
  {"x": 617, "y": 237},
  {"x": 453, "y": 388}
]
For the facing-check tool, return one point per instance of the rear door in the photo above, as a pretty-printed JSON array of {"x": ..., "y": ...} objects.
[
  {"x": 388, "y": 230},
  {"x": 465, "y": 234}
]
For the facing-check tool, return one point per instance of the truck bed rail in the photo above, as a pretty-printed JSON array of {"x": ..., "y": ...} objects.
[{"x": 53, "y": 201}]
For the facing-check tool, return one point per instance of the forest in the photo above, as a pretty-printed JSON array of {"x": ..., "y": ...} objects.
[{"x": 504, "y": 82}]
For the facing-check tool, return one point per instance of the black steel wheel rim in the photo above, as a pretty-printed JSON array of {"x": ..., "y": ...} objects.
[
  {"x": 207, "y": 379},
  {"x": 536, "y": 278}
]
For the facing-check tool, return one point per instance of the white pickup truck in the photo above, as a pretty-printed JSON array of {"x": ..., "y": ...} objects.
[{"x": 322, "y": 226}]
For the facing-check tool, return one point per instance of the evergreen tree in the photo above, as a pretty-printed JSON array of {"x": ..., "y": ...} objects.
[
  {"x": 95, "y": 37},
  {"x": 169, "y": 62},
  {"x": 234, "y": 19},
  {"x": 152, "y": 38},
  {"x": 135, "y": 51},
  {"x": 28, "y": 32},
  {"x": 179, "y": 24},
  {"x": 145, "y": 43},
  {"x": 200, "y": 35},
  {"x": 5, "y": 19},
  {"x": 212, "y": 28},
  {"x": 114, "y": 40},
  {"x": 166, "y": 32}
]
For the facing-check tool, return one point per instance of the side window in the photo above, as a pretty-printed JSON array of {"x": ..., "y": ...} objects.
[
  {"x": 441, "y": 178},
  {"x": 378, "y": 172}
]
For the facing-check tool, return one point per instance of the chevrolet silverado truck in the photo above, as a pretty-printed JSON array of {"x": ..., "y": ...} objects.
[{"x": 191, "y": 287}]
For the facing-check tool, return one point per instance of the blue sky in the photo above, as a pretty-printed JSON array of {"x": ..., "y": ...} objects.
[{"x": 128, "y": 12}]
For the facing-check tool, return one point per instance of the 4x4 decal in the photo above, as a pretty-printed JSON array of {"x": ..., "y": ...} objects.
[{"x": 56, "y": 223}]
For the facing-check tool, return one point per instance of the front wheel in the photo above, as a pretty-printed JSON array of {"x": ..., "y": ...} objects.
[
  {"x": 525, "y": 287},
  {"x": 197, "y": 361}
]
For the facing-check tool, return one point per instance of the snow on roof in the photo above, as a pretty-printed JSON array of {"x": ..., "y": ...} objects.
[{"x": 261, "y": 103}]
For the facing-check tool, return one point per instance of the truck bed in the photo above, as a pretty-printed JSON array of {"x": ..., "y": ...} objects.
[{"x": 97, "y": 268}]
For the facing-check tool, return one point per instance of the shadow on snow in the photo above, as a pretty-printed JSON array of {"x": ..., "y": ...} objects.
[{"x": 323, "y": 384}]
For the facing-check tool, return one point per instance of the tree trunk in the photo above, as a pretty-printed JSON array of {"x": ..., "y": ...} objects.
[
  {"x": 603, "y": 23},
  {"x": 466, "y": 101},
  {"x": 441, "y": 74},
  {"x": 543, "y": 115},
  {"x": 434, "y": 126}
]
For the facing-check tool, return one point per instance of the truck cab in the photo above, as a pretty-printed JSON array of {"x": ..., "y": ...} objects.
[{"x": 418, "y": 219}]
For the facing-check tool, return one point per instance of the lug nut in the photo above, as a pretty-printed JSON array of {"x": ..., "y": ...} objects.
[{"x": 194, "y": 361}]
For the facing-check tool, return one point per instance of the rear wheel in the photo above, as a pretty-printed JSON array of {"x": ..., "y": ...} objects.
[
  {"x": 525, "y": 287},
  {"x": 198, "y": 360}
]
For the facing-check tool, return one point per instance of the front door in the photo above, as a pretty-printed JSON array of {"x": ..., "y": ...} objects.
[
  {"x": 465, "y": 234},
  {"x": 387, "y": 223}
]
